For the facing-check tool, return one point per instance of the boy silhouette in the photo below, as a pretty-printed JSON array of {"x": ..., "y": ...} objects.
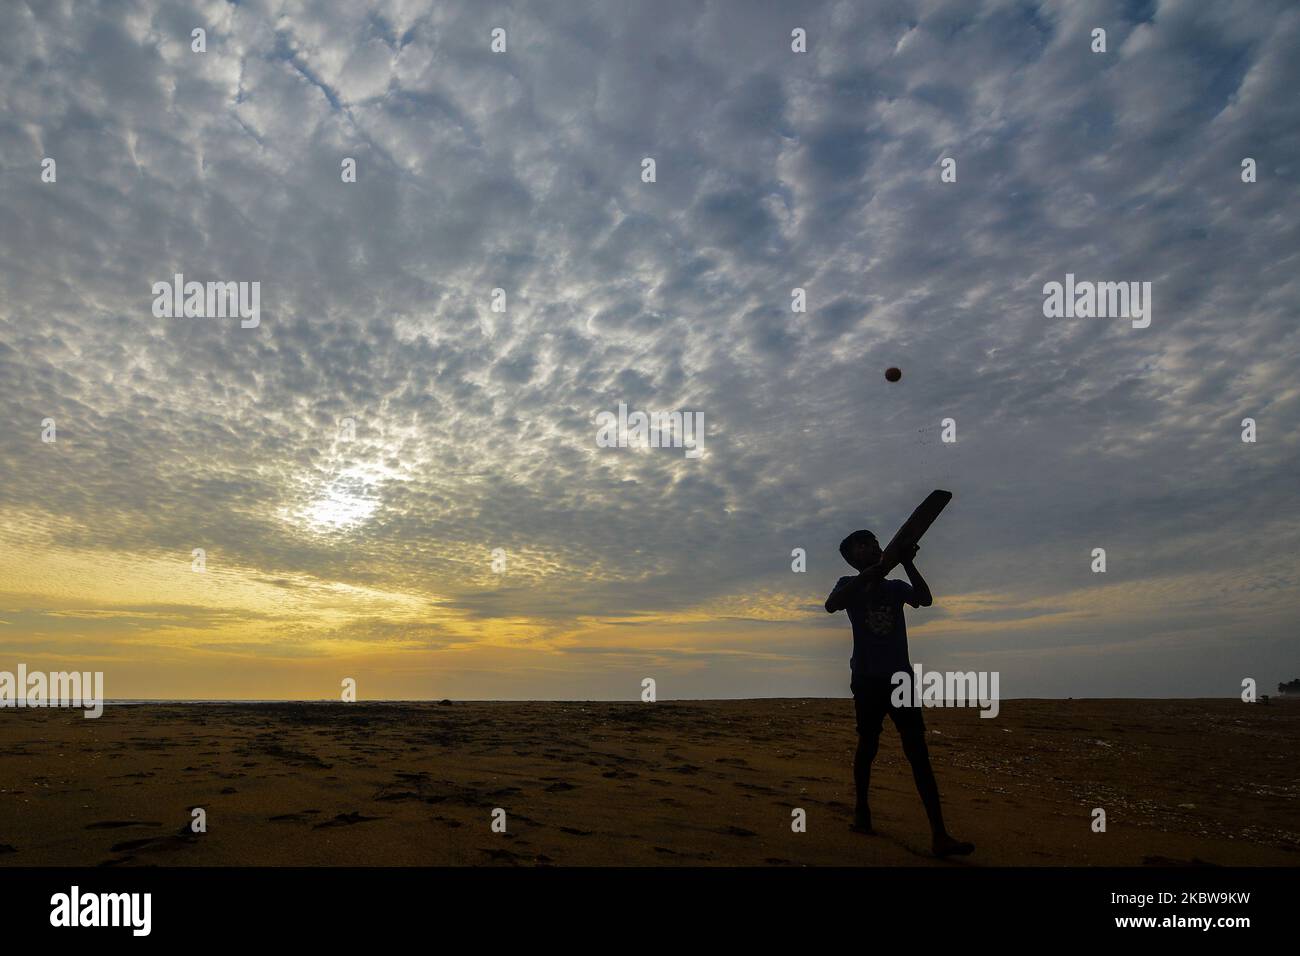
[{"x": 875, "y": 609}]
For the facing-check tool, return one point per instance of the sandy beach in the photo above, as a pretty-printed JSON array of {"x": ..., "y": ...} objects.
[{"x": 688, "y": 783}]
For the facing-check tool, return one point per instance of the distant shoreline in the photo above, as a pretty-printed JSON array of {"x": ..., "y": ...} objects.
[{"x": 137, "y": 701}]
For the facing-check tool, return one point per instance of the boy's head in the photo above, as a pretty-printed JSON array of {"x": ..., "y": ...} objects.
[{"x": 861, "y": 549}]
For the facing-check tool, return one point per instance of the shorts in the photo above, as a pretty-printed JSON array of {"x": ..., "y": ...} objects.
[{"x": 871, "y": 701}]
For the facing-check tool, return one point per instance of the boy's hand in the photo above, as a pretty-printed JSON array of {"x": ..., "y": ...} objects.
[
  {"x": 876, "y": 570},
  {"x": 921, "y": 596},
  {"x": 911, "y": 554}
]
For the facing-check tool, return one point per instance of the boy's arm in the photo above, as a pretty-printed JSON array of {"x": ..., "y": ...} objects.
[
  {"x": 921, "y": 596},
  {"x": 849, "y": 587}
]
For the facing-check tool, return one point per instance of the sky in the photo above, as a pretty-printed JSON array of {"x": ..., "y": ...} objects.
[{"x": 366, "y": 550}]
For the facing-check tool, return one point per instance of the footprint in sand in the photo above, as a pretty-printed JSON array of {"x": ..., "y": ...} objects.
[
  {"x": 736, "y": 831},
  {"x": 292, "y": 817},
  {"x": 181, "y": 838},
  {"x": 345, "y": 819},
  {"x": 118, "y": 824},
  {"x": 126, "y": 845},
  {"x": 499, "y": 854}
]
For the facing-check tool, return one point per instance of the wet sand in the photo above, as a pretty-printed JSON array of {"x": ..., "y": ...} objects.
[{"x": 689, "y": 783}]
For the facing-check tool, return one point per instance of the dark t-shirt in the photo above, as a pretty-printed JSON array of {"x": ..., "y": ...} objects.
[{"x": 879, "y": 631}]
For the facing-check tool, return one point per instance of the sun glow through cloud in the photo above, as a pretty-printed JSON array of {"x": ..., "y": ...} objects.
[{"x": 343, "y": 506}]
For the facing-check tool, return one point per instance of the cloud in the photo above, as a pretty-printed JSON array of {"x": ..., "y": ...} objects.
[{"x": 475, "y": 430}]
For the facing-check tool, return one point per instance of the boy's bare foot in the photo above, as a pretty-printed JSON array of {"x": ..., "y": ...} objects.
[
  {"x": 862, "y": 823},
  {"x": 947, "y": 845}
]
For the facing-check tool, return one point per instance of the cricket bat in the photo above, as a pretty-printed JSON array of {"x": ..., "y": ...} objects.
[{"x": 913, "y": 528}]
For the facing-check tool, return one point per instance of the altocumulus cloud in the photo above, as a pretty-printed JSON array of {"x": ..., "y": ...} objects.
[{"x": 775, "y": 170}]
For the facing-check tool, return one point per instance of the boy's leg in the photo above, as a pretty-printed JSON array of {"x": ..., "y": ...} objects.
[
  {"x": 870, "y": 712},
  {"x": 868, "y": 744},
  {"x": 911, "y": 728}
]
